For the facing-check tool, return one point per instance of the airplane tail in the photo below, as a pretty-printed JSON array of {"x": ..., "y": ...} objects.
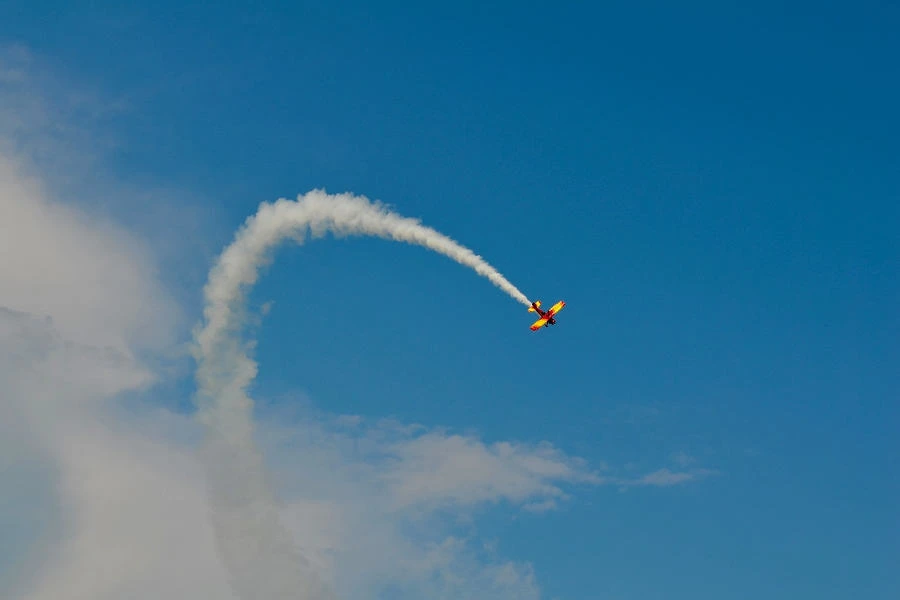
[{"x": 536, "y": 303}]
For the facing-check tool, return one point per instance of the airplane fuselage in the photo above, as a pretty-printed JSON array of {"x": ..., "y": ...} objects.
[{"x": 543, "y": 314}]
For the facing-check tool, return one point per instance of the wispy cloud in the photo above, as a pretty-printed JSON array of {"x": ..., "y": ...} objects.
[
  {"x": 665, "y": 478},
  {"x": 375, "y": 495},
  {"x": 52, "y": 124},
  {"x": 382, "y": 505},
  {"x": 683, "y": 459},
  {"x": 437, "y": 468}
]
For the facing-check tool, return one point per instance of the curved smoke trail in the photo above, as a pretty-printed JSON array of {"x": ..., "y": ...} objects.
[{"x": 259, "y": 554}]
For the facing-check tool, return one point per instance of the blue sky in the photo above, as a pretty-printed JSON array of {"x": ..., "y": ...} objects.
[{"x": 713, "y": 190}]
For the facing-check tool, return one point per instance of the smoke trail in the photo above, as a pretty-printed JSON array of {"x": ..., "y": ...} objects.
[{"x": 258, "y": 553}]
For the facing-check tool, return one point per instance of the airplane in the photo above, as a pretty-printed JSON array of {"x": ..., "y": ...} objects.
[{"x": 547, "y": 317}]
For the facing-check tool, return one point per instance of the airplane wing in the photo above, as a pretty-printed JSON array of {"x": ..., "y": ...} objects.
[
  {"x": 556, "y": 308},
  {"x": 539, "y": 323}
]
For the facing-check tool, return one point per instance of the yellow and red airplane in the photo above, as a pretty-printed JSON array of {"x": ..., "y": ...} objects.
[{"x": 546, "y": 316}]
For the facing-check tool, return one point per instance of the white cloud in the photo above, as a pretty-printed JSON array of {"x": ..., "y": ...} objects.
[
  {"x": 137, "y": 521},
  {"x": 127, "y": 513},
  {"x": 97, "y": 285},
  {"x": 379, "y": 505},
  {"x": 436, "y": 469},
  {"x": 664, "y": 477}
]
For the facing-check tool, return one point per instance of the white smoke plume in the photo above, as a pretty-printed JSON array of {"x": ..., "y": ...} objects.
[{"x": 262, "y": 559}]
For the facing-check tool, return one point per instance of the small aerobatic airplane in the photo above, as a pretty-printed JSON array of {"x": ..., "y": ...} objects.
[{"x": 546, "y": 316}]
